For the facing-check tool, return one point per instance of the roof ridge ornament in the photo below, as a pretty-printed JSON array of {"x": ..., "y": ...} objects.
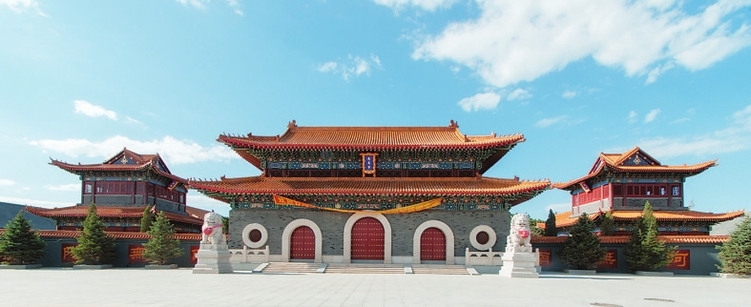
[
  {"x": 453, "y": 124},
  {"x": 292, "y": 124}
]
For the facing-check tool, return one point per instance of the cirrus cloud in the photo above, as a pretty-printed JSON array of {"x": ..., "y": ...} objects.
[
  {"x": 86, "y": 108},
  {"x": 482, "y": 101}
]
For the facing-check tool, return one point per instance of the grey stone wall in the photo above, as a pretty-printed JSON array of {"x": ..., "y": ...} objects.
[{"x": 402, "y": 227}]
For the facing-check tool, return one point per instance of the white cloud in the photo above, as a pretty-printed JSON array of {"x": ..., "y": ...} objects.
[
  {"x": 353, "y": 66},
  {"x": 632, "y": 117},
  {"x": 428, "y": 5},
  {"x": 547, "y": 122},
  {"x": 6, "y": 182},
  {"x": 235, "y": 5},
  {"x": 568, "y": 94},
  {"x": 657, "y": 71},
  {"x": 172, "y": 150},
  {"x": 86, "y": 108},
  {"x": 199, "y": 4},
  {"x": 200, "y": 201},
  {"x": 652, "y": 115},
  {"x": 21, "y": 6},
  {"x": 73, "y": 187},
  {"x": 736, "y": 137},
  {"x": 516, "y": 41},
  {"x": 519, "y": 94},
  {"x": 482, "y": 101}
]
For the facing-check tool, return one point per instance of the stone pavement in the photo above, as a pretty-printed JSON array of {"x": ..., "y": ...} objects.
[{"x": 139, "y": 287}]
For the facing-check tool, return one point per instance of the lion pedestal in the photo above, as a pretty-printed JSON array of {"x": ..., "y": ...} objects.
[
  {"x": 213, "y": 255},
  {"x": 519, "y": 260}
]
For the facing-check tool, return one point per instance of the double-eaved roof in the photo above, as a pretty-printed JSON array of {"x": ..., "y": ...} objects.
[
  {"x": 371, "y": 139},
  {"x": 633, "y": 161}
]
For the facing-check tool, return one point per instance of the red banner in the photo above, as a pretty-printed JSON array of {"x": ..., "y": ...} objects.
[
  {"x": 193, "y": 252},
  {"x": 681, "y": 260},
  {"x": 610, "y": 261},
  {"x": 546, "y": 255},
  {"x": 67, "y": 255},
  {"x": 135, "y": 253}
]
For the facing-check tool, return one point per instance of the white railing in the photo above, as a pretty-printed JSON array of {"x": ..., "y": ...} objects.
[
  {"x": 482, "y": 258},
  {"x": 246, "y": 255}
]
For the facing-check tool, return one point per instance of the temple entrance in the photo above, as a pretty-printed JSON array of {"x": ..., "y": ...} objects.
[
  {"x": 303, "y": 243},
  {"x": 433, "y": 245},
  {"x": 367, "y": 239}
]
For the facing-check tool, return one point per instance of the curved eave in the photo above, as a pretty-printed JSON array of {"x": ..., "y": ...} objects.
[
  {"x": 240, "y": 142},
  {"x": 107, "y": 212},
  {"x": 670, "y": 239},
  {"x": 687, "y": 171},
  {"x": 79, "y": 169},
  {"x": 72, "y": 234}
]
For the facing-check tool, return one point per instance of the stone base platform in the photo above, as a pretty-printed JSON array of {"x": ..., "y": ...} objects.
[{"x": 519, "y": 265}]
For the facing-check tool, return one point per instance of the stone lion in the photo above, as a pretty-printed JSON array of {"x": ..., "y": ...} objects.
[
  {"x": 520, "y": 235},
  {"x": 211, "y": 231}
]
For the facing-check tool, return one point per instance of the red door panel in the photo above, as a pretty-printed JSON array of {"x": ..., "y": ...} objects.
[
  {"x": 303, "y": 243},
  {"x": 432, "y": 244},
  {"x": 367, "y": 239}
]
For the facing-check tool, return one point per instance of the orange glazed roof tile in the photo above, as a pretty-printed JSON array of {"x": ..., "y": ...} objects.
[
  {"x": 563, "y": 220},
  {"x": 670, "y": 239},
  {"x": 370, "y": 138},
  {"x": 108, "y": 212},
  {"x": 114, "y": 234},
  {"x": 616, "y": 163},
  {"x": 370, "y": 185}
]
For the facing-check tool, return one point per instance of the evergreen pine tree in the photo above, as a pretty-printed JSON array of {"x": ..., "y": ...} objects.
[
  {"x": 550, "y": 229},
  {"x": 147, "y": 219},
  {"x": 581, "y": 249},
  {"x": 607, "y": 225},
  {"x": 536, "y": 230},
  {"x": 735, "y": 254},
  {"x": 94, "y": 245},
  {"x": 162, "y": 245},
  {"x": 643, "y": 251},
  {"x": 225, "y": 225},
  {"x": 19, "y": 244}
]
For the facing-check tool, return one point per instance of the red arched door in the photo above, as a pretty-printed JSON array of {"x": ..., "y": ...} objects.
[
  {"x": 432, "y": 244},
  {"x": 367, "y": 239},
  {"x": 303, "y": 243}
]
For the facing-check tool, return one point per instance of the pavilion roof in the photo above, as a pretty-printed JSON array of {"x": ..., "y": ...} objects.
[
  {"x": 114, "y": 234},
  {"x": 633, "y": 161},
  {"x": 421, "y": 186},
  {"x": 370, "y": 139},
  {"x": 670, "y": 239},
  {"x": 109, "y": 212},
  {"x": 125, "y": 160},
  {"x": 565, "y": 219}
]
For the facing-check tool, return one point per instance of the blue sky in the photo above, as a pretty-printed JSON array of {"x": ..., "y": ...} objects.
[{"x": 80, "y": 80}]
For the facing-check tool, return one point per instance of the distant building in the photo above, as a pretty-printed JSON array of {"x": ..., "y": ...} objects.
[
  {"x": 9, "y": 211},
  {"x": 621, "y": 183},
  {"x": 121, "y": 187}
]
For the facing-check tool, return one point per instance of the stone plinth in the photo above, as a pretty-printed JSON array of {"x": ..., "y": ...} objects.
[
  {"x": 213, "y": 259},
  {"x": 519, "y": 265}
]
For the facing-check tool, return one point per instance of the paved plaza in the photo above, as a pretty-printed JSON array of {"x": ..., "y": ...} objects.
[{"x": 139, "y": 287}]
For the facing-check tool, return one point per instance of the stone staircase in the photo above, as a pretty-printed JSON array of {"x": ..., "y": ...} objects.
[
  {"x": 291, "y": 267},
  {"x": 439, "y": 269},
  {"x": 364, "y": 268}
]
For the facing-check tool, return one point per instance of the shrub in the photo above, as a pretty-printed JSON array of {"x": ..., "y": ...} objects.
[
  {"x": 162, "y": 245},
  {"x": 94, "y": 245},
  {"x": 19, "y": 244},
  {"x": 581, "y": 249},
  {"x": 735, "y": 254},
  {"x": 643, "y": 251}
]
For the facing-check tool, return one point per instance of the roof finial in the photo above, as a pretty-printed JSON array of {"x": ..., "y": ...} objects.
[
  {"x": 292, "y": 124},
  {"x": 453, "y": 124}
]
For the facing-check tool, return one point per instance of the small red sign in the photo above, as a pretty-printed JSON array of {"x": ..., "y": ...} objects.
[
  {"x": 681, "y": 260},
  {"x": 610, "y": 261}
]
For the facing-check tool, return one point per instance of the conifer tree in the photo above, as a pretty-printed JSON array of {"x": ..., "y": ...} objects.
[
  {"x": 735, "y": 254},
  {"x": 550, "y": 229},
  {"x": 162, "y": 245},
  {"x": 147, "y": 219},
  {"x": 94, "y": 245},
  {"x": 536, "y": 230},
  {"x": 643, "y": 251},
  {"x": 607, "y": 225},
  {"x": 19, "y": 244},
  {"x": 581, "y": 249}
]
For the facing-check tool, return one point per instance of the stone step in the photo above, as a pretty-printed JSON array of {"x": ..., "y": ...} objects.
[
  {"x": 291, "y": 267},
  {"x": 438, "y": 269},
  {"x": 358, "y": 268}
]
